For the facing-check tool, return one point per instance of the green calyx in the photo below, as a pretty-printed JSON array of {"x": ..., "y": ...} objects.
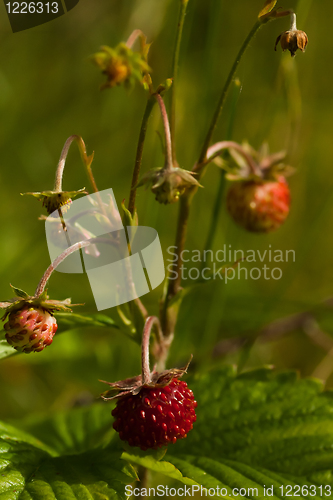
[
  {"x": 54, "y": 200},
  {"x": 168, "y": 184},
  {"x": 22, "y": 299},
  {"x": 264, "y": 166}
]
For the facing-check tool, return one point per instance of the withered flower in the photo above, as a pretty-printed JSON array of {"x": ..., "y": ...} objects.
[
  {"x": 168, "y": 184},
  {"x": 292, "y": 39},
  {"x": 121, "y": 65},
  {"x": 54, "y": 200}
]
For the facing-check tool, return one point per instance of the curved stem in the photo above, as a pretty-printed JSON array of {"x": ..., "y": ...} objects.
[
  {"x": 175, "y": 63},
  {"x": 133, "y": 37},
  {"x": 293, "y": 22},
  {"x": 167, "y": 133},
  {"x": 87, "y": 160},
  {"x": 150, "y": 322},
  {"x": 139, "y": 152},
  {"x": 61, "y": 164},
  {"x": 74, "y": 248},
  {"x": 217, "y": 148},
  {"x": 42, "y": 284},
  {"x": 225, "y": 90}
]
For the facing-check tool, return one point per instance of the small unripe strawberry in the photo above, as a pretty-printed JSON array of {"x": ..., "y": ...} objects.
[
  {"x": 30, "y": 329},
  {"x": 259, "y": 206},
  {"x": 156, "y": 416}
]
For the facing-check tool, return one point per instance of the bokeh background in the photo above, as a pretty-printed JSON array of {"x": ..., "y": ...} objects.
[{"x": 49, "y": 90}]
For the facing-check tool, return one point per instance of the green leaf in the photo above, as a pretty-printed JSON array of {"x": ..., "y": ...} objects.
[
  {"x": 160, "y": 466},
  {"x": 73, "y": 431},
  {"x": 5, "y": 349},
  {"x": 129, "y": 219},
  {"x": 268, "y": 7},
  {"x": 19, "y": 293},
  {"x": 254, "y": 430},
  {"x": 257, "y": 430},
  {"x": 69, "y": 466},
  {"x": 71, "y": 320}
]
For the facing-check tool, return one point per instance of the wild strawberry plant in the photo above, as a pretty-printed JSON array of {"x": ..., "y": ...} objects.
[{"x": 220, "y": 429}]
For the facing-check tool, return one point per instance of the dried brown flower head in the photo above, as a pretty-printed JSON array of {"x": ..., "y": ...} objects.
[{"x": 292, "y": 39}]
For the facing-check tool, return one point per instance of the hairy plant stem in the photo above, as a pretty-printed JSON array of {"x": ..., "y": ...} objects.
[
  {"x": 169, "y": 317},
  {"x": 175, "y": 64},
  {"x": 225, "y": 90},
  {"x": 217, "y": 204},
  {"x": 168, "y": 314},
  {"x": 184, "y": 211},
  {"x": 87, "y": 160},
  {"x": 217, "y": 149},
  {"x": 139, "y": 152},
  {"x": 133, "y": 37},
  {"x": 151, "y": 321},
  {"x": 167, "y": 133},
  {"x": 74, "y": 248},
  {"x": 293, "y": 22},
  {"x": 215, "y": 213},
  {"x": 46, "y": 276}
]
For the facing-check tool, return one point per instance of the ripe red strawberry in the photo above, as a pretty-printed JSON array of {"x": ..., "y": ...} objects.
[
  {"x": 30, "y": 329},
  {"x": 258, "y": 205},
  {"x": 156, "y": 416}
]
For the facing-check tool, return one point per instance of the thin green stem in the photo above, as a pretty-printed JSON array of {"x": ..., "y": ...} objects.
[
  {"x": 139, "y": 152},
  {"x": 225, "y": 90},
  {"x": 143, "y": 474},
  {"x": 175, "y": 64},
  {"x": 220, "y": 190},
  {"x": 169, "y": 317},
  {"x": 216, "y": 213}
]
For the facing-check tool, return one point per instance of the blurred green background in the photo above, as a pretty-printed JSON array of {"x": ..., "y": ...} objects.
[{"x": 49, "y": 90}]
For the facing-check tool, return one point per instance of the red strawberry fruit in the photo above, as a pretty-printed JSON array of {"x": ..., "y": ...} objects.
[
  {"x": 30, "y": 329},
  {"x": 257, "y": 205},
  {"x": 156, "y": 416}
]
